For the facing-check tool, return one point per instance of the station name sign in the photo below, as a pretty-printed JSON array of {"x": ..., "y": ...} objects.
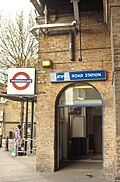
[{"x": 78, "y": 76}]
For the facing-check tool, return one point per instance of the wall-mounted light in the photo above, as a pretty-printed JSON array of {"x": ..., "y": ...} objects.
[{"x": 47, "y": 63}]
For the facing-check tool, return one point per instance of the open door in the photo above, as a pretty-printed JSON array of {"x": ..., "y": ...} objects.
[{"x": 78, "y": 125}]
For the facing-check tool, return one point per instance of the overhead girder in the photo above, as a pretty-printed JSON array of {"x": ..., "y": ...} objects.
[
  {"x": 65, "y": 6},
  {"x": 38, "y": 6}
]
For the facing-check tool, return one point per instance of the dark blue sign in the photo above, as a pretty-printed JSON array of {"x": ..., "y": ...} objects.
[{"x": 78, "y": 76}]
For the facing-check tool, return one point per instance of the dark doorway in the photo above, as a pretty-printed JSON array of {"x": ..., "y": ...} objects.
[
  {"x": 97, "y": 134},
  {"x": 79, "y": 125},
  {"x": 77, "y": 140}
]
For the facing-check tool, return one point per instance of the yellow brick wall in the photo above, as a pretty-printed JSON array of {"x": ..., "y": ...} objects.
[
  {"x": 11, "y": 118},
  {"x": 96, "y": 55}
]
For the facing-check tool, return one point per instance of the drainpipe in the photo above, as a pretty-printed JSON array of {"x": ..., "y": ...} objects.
[
  {"x": 71, "y": 39},
  {"x": 46, "y": 17},
  {"x": 61, "y": 32},
  {"x": 77, "y": 18},
  {"x": 46, "y": 26},
  {"x": 71, "y": 45},
  {"x": 58, "y": 32},
  {"x": 46, "y": 14},
  {"x": 53, "y": 25}
]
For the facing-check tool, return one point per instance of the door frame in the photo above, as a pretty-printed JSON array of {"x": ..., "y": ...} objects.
[{"x": 57, "y": 125}]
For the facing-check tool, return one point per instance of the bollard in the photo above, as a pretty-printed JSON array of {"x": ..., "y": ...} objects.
[
  {"x": 6, "y": 144},
  {"x": 0, "y": 141}
]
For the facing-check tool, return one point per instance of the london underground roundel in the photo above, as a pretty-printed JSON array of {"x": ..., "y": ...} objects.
[
  {"x": 21, "y": 81},
  {"x": 15, "y": 80}
]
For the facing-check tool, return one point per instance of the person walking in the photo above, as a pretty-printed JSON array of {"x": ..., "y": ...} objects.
[{"x": 17, "y": 140}]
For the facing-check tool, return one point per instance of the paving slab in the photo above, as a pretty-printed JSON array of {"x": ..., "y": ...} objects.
[{"x": 23, "y": 169}]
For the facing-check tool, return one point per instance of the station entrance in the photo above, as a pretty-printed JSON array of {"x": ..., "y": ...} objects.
[{"x": 79, "y": 125}]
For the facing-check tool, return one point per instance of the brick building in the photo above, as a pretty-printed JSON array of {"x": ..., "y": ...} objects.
[
  {"x": 78, "y": 80},
  {"x": 10, "y": 116},
  {"x": 16, "y": 110}
]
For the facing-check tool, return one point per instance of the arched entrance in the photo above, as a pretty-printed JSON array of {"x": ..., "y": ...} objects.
[{"x": 79, "y": 116}]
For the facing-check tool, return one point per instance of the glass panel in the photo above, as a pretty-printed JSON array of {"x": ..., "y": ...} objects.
[{"x": 80, "y": 94}]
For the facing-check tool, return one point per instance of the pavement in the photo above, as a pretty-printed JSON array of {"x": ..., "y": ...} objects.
[{"x": 22, "y": 169}]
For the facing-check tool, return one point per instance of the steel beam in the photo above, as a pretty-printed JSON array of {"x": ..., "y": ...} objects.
[{"x": 38, "y": 6}]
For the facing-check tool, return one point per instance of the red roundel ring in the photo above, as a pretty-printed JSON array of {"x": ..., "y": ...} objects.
[{"x": 19, "y": 87}]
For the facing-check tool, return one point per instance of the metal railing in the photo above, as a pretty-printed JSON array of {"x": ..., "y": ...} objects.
[{"x": 26, "y": 147}]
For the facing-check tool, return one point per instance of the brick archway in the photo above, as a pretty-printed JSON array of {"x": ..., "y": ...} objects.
[{"x": 65, "y": 112}]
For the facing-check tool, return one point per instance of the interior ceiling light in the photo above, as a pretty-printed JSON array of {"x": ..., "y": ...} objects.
[{"x": 83, "y": 86}]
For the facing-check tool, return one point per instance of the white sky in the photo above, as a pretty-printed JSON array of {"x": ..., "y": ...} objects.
[{"x": 11, "y": 7}]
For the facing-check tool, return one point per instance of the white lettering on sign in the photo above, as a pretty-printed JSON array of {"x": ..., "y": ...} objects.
[
  {"x": 87, "y": 75},
  {"x": 60, "y": 76},
  {"x": 77, "y": 75}
]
